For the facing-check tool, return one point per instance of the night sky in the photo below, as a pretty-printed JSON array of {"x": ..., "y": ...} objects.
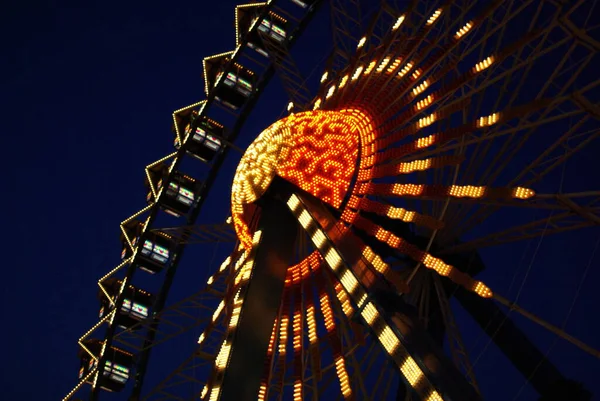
[{"x": 87, "y": 96}]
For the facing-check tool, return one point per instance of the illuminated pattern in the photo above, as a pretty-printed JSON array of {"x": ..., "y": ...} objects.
[
  {"x": 316, "y": 150},
  {"x": 357, "y": 133},
  {"x": 359, "y": 151}
]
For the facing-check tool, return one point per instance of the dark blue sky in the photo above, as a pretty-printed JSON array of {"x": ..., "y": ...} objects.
[{"x": 87, "y": 96}]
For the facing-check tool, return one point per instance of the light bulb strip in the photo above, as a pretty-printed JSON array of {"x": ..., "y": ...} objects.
[
  {"x": 298, "y": 346},
  {"x": 395, "y": 169},
  {"x": 81, "y": 383},
  {"x": 429, "y": 261},
  {"x": 465, "y": 78},
  {"x": 442, "y": 191},
  {"x": 334, "y": 340},
  {"x": 413, "y": 128},
  {"x": 269, "y": 358},
  {"x": 396, "y": 213},
  {"x": 279, "y": 371}
]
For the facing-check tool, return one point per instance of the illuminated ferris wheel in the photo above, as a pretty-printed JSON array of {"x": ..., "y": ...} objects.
[{"x": 359, "y": 221}]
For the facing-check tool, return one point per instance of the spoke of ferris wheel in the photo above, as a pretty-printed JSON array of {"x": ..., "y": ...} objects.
[
  {"x": 211, "y": 337},
  {"x": 291, "y": 79},
  {"x": 553, "y": 224},
  {"x": 588, "y": 211},
  {"x": 474, "y": 164},
  {"x": 417, "y": 24},
  {"x": 346, "y": 25},
  {"x": 568, "y": 145},
  {"x": 178, "y": 377},
  {"x": 371, "y": 40},
  {"x": 175, "y": 319},
  {"x": 201, "y": 234},
  {"x": 225, "y": 272},
  {"x": 496, "y": 67},
  {"x": 456, "y": 345},
  {"x": 419, "y": 59},
  {"x": 329, "y": 370},
  {"x": 523, "y": 354},
  {"x": 559, "y": 332},
  {"x": 386, "y": 324},
  {"x": 471, "y": 138},
  {"x": 449, "y": 101},
  {"x": 561, "y": 202},
  {"x": 345, "y": 330},
  {"x": 425, "y": 297},
  {"x": 312, "y": 357}
]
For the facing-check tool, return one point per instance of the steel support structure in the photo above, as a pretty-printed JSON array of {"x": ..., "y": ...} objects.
[
  {"x": 413, "y": 338},
  {"x": 202, "y": 234},
  {"x": 241, "y": 378}
]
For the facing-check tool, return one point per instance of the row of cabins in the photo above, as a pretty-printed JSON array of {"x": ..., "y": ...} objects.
[{"x": 154, "y": 249}]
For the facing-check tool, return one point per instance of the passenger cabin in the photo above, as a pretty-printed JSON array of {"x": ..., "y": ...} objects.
[
  {"x": 239, "y": 83},
  {"x": 272, "y": 27},
  {"x": 135, "y": 307},
  {"x": 180, "y": 192},
  {"x": 205, "y": 138},
  {"x": 117, "y": 367},
  {"x": 156, "y": 250},
  {"x": 181, "y": 120}
]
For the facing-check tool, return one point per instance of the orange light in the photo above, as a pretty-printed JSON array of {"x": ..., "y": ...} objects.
[
  {"x": 421, "y": 104},
  {"x": 522, "y": 193},
  {"x": 283, "y": 329},
  {"x": 482, "y": 65},
  {"x": 489, "y": 120},
  {"x": 342, "y": 373},
  {"x": 425, "y": 142},
  {"x": 314, "y": 150},
  {"x": 462, "y": 31},
  {"x": 466, "y": 191}
]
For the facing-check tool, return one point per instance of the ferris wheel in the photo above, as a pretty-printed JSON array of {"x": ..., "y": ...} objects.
[{"x": 359, "y": 221}]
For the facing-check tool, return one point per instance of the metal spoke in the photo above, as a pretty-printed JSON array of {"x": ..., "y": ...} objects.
[
  {"x": 457, "y": 348},
  {"x": 561, "y": 333}
]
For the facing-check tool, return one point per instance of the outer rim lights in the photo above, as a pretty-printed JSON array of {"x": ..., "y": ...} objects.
[
  {"x": 482, "y": 65},
  {"x": 434, "y": 17},
  {"x": 361, "y": 42},
  {"x": 463, "y": 31},
  {"x": 357, "y": 72},
  {"x": 399, "y": 22},
  {"x": 405, "y": 69},
  {"x": 489, "y": 120},
  {"x": 344, "y": 81},
  {"x": 330, "y": 92}
]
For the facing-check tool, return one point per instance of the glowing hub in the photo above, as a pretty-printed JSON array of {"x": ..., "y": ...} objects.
[{"x": 315, "y": 150}]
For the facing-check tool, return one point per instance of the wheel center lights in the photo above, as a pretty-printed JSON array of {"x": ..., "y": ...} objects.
[{"x": 315, "y": 150}]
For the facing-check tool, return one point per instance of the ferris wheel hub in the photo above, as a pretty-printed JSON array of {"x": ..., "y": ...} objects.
[{"x": 318, "y": 151}]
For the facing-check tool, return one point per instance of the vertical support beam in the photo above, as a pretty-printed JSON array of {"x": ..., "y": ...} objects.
[{"x": 241, "y": 380}]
